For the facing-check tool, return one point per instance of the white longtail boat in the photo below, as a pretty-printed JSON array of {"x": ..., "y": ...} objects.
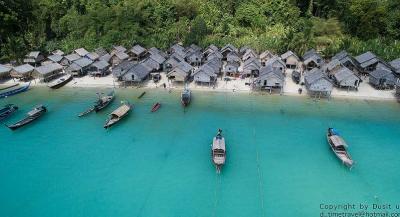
[
  {"x": 339, "y": 147},
  {"x": 218, "y": 151}
]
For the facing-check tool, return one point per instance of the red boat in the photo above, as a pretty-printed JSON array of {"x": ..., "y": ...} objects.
[{"x": 155, "y": 107}]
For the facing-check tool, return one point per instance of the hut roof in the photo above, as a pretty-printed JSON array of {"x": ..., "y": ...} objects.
[
  {"x": 101, "y": 64},
  {"x": 309, "y": 53},
  {"x": 106, "y": 57},
  {"x": 48, "y": 68},
  {"x": 233, "y": 57},
  {"x": 267, "y": 70},
  {"x": 22, "y": 69},
  {"x": 140, "y": 72},
  {"x": 55, "y": 58},
  {"x": 83, "y": 62},
  {"x": 274, "y": 60},
  {"x": 396, "y": 65},
  {"x": 154, "y": 50},
  {"x": 33, "y": 54},
  {"x": 177, "y": 48},
  {"x": 254, "y": 60},
  {"x": 382, "y": 73},
  {"x": 158, "y": 58},
  {"x": 316, "y": 58},
  {"x": 58, "y": 52},
  {"x": 121, "y": 55},
  {"x": 332, "y": 64},
  {"x": 151, "y": 63},
  {"x": 266, "y": 54},
  {"x": 366, "y": 57},
  {"x": 93, "y": 56},
  {"x": 317, "y": 81},
  {"x": 344, "y": 74},
  {"x": 118, "y": 49},
  {"x": 194, "y": 47},
  {"x": 249, "y": 53},
  {"x": 229, "y": 47},
  {"x": 72, "y": 57},
  {"x": 138, "y": 50},
  {"x": 81, "y": 52},
  {"x": 122, "y": 68},
  {"x": 4, "y": 69},
  {"x": 288, "y": 54},
  {"x": 101, "y": 51},
  {"x": 341, "y": 55},
  {"x": 215, "y": 54},
  {"x": 210, "y": 49}
]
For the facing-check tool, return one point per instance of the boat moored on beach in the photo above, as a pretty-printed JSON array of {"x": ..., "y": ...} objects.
[
  {"x": 218, "y": 151},
  {"x": 7, "y": 111},
  {"x": 118, "y": 114},
  {"x": 59, "y": 82},
  {"x": 13, "y": 90},
  {"x": 339, "y": 147},
  {"x": 186, "y": 97},
  {"x": 34, "y": 114}
]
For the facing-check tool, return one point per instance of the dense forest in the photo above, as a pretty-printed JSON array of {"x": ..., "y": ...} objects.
[{"x": 276, "y": 25}]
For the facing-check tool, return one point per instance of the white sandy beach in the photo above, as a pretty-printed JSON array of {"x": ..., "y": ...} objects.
[{"x": 365, "y": 91}]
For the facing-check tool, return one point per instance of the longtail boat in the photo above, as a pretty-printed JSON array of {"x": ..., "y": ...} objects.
[
  {"x": 63, "y": 80},
  {"x": 155, "y": 107},
  {"x": 186, "y": 97},
  {"x": 118, "y": 114},
  {"x": 218, "y": 151},
  {"x": 13, "y": 91},
  {"x": 141, "y": 95},
  {"x": 7, "y": 111},
  {"x": 339, "y": 147},
  {"x": 100, "y": 104},
  {"x": 34, "y": 114}
]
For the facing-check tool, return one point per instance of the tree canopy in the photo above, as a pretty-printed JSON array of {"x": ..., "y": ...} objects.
[{"x": 276, "y": 25}]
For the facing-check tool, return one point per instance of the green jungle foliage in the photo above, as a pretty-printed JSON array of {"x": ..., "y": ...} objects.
[{"x": 276, "y": 25}]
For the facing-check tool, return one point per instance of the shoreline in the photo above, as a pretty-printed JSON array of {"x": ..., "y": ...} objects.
[{"x": 235, "y": 86}]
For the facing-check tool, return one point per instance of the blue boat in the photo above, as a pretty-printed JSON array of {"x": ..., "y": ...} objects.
[{"x": 15, "y": 91}]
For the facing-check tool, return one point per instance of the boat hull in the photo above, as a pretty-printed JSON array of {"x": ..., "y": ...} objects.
[
  {"x": 62, "y": 83},
  {"x": 7, "y": 112},
  {"x": 346, "y": 161},
  {"x": 15, "y": 91},
  {"x": 27, "y": 120},
  {"x": 155, "y": 107}
]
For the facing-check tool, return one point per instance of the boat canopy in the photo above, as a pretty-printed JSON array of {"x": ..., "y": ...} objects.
[
  {"x": 218, "y": 143},
  {"x": 121, "y": 110},
  {"x": 338, "y": 141}
]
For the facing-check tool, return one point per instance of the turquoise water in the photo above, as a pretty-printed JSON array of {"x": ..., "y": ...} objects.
[{"x": 158, "y": 164}]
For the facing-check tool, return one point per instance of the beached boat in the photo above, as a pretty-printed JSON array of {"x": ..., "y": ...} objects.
[
  {"x": 186, "y": 97},
  {"x": 141, "y": 95},
  {"x": 9, "y": 86},
  {"x": 59, "y": 82},
  {"x": 101, "y": 103},
  {"x": 31, "y": 116},
  {"x": 14, "y": 90},
  {"x": 7, "y": 111},
  {"x": 118, "y": 114},
  {"x": 218, "y": 151},
  {"x": 155, "y": 107},
  {"x": 339, "y": 147}
]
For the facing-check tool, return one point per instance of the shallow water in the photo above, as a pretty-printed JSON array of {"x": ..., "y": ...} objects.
[{"x": 158, "y": 164}]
